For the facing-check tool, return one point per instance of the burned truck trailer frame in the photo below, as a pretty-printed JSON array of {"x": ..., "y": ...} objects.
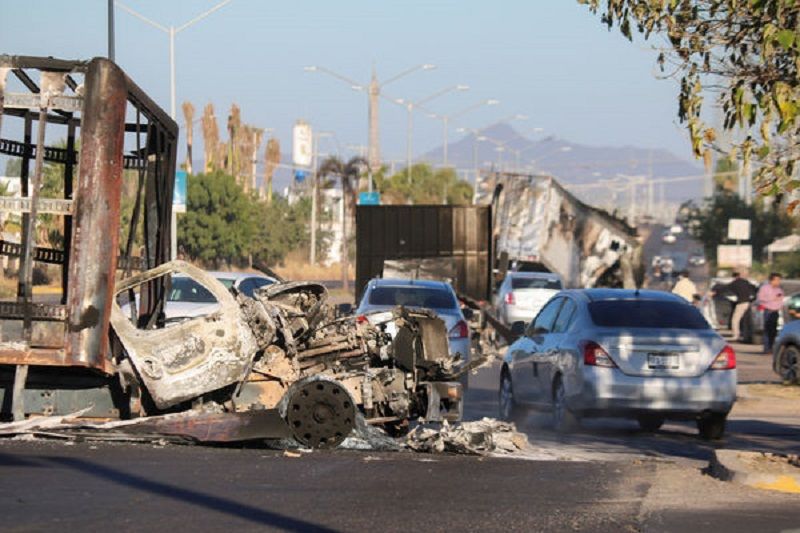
[
  {"x": 59, "y": 359},
  {"x": 538, "y": 221},
  {"x": 277, "y": 365}
]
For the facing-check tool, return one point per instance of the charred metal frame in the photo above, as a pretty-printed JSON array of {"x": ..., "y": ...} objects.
[{"x": 117, "y": 127}]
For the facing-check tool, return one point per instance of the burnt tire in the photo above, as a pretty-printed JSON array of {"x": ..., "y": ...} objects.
[
  {"x": 509, "y": 410},
  {"x": 650, "y": 423},
  {"x": 789, "y": 364},
  {"x": 712, "y": 426}
]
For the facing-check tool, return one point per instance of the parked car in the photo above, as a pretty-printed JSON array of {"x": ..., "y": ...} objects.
[
  {"x": 188, "y": 299},
  {"x": 786, "y": 353},
  {"x": 437, "y": 296},
  {"x": 669, "y": 238},
  {"x": 676, "y": 229},
  {"x": 647, "y": 355},
  {"x": 523, "y": 294}
]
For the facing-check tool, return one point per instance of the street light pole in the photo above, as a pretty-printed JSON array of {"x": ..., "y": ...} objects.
[
  {"x": 171, "y": 31},
  {"x": 373, "y": 90},
  {"x": 111, "y": 30},
  {"x": 446, "y": 122},
  {"x": 410, "y": 106}
]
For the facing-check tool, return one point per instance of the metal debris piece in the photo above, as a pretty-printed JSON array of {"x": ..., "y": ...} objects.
[{"x": 482, "y": 437}]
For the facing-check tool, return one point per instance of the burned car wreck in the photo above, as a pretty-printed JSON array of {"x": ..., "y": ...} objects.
[{"x": 277, "y": 365}]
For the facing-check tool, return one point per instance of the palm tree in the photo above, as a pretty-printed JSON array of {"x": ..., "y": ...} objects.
[{"x": 348, "y": 174}]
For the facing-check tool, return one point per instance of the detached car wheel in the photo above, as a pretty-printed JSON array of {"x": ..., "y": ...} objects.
[
  {"x": 509, "y": 410},
  {"x": 789, "y": 364},
  {"x": 564, "y": 420},
  {"x": 712, "y": 427},
  {"x": 650, "y": 423}
]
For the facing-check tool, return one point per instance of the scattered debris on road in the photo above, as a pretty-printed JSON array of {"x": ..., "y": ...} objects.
[{"x": 482, "y": 437}]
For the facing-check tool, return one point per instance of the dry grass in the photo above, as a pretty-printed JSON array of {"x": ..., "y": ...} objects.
[{"x": 296, "y": 268}]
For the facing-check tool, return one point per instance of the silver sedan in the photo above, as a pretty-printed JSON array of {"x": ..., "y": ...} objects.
[{"x": 646, "y": 355}]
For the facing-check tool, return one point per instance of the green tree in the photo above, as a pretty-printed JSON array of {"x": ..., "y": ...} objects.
[
  {"x": 281, "y": 228},
  {"x": 427, "y": 186},
  {"x": 744, "y": 53},
  {"x": 220, "y": 222}
]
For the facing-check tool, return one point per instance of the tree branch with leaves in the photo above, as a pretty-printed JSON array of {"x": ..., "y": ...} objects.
[{"x": 744, "y": 53}]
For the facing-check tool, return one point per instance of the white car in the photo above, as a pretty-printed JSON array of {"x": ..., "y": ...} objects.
[
  {"x": 189, "y": 299},
  {"x": 646, "y": 355},
  {"x": 669, "y": 238},
  {"x": 381, "y": 296},
  {"x": 522, "y": 294}
]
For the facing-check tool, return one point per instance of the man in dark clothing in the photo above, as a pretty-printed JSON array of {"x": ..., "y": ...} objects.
[{"x": 744, "y": 292}]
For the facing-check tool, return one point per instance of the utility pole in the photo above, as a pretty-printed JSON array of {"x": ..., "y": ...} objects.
[
  {"x": 111, "y": 30},
  {"x": 313, "y": 252},
  {"x": 374, "y": 154}
]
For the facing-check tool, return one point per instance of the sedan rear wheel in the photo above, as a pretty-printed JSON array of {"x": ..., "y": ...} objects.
[
  {"x": 650, "y": 423},
  {"x": 789, "y": 364},
  {"x": 712, "y": 426},
  {"x": 563, "y": 419}
]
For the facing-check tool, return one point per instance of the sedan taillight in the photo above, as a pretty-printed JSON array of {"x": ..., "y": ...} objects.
[
  {"x": 459, "y": 331},
  {"x": 725, "y": 360},
  {"x": 510, "y": 298},
  {"x": 595, "y": 355}
]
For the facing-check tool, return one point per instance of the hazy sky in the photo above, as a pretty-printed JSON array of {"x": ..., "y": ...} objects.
[{"x": 549, "y": 59}]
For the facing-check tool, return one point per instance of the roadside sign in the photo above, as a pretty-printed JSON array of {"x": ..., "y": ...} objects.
[
  {"x": 302, "y": 144},
  {"x": 739, "y": 229},
  {"x": 369, "y": 198},
  {"x": 179, "y": 193},
  {"x": 734, "y": 256}
]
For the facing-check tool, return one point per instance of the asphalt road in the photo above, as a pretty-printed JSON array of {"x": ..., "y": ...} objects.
[{"x": 606, "y": 477}]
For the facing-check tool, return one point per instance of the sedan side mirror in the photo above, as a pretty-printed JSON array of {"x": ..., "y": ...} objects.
[{"x": 518, "y": 329}]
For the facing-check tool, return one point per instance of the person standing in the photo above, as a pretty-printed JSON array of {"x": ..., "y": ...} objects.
[
  {"x": 770, "y": 300},
  {"x": 743, "y": 291},
  {"x": 685, "y": 288}
]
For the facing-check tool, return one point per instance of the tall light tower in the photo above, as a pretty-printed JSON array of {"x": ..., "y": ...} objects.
[
  {"x": 373, "y": 91},
  {"x": 172, "y": 31}
]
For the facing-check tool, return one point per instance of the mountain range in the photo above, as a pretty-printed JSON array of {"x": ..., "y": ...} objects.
[{"x": 502, "y": 147}]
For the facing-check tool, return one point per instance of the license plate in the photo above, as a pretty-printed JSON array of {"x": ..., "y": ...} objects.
[{"x": 663, "y": 361}]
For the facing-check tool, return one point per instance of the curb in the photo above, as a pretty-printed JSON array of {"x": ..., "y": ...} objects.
[{"x": 729, "y": 465}]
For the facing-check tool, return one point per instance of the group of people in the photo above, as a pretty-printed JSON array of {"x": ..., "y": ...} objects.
[{"x": 768, "y": 298}]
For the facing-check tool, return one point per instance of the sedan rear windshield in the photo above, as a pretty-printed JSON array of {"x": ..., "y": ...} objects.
[
  {"x": 535, "y": 283},
  {"x": 188, "y": 290},
  {"x": 646, "y": 314},
  {"x": 412, "y": 297}
]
